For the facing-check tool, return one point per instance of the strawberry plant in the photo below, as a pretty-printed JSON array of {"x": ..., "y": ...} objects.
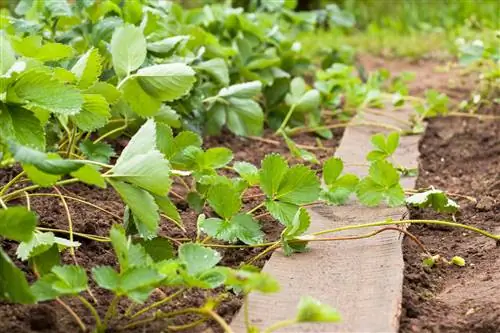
[{"x": 75, "y": 79}]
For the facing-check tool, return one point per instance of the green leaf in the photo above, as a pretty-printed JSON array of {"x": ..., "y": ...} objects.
[
  {"x": 339, "y": 191},
  {"x": 139, "y": 101},
  {"x": 38, "y": 89},
  {"x": 332, "y": 168},
  {"x": 313, "y": 311},
  {"x": 241, "y": 227},
  {"x": 142, "y": 205},
  {"x": 141, "y": 164},
  {"x": 158, "y": 248},
  {"x": 168, "y": 208},
  {"x": 225, "y": 200},
  {"x": 385, "y": 146},
  {"x": 40, "y": 243},
  {"x": 39, "y": 177},
  {"x": 392, "y": 142},
  {"x": 437, "y": 199},
  {"x": 273, "y": 170},
  {"x": 106, "y": 277},
  {"x": 13, "y": 285},
  {"x": 22, "y": 126},
  {"x": 195, "y": 201},
  {"x": 382, "y": 183},
  {"x": 247, "y": 229},
  {"x": 128, "y": 49},
  {"x": 17, "y": 223},
  {"x": 149, "y": 171},
  {"x": 167, "y": 46},
  {"x": 139, "y": 282},
  {"x": 32, "y": 47},
  {"x": 244, "y": 116},
  {"x": 72, "y": 279},
  {"x": 45, "y": 261},
  {"x": 243, "y": 90},
  {"x": 217, "y": 69},
  {"x": 298, "y": 186},
  {"x": 248, "y": 172},
  {"x": 95, "y": 113},
  {"x": 99, "y": 152},
  {"x": 299, "y": 225},
  {"x": 216, "y": 158},
  {"x": 282, "y": 211},
  {"x": 89, "y": 175},
  {"x": 106, "y": 90},
  {"x": 129, "y": 255},
  {"x": 250, "y": 280},
  {"x": 88, "y": 68},
  {"x": 7, "y": 54},
  {"x": 302, "y": 100},
  {"x": 166, "y": 82},
  {"x": 48, "y": 163},
  {"x": 132, "y": 11},
  {"x": 168, "y": 116},
  {"x": 63, "y": 280},
  {"x": 197, "y": 258}
]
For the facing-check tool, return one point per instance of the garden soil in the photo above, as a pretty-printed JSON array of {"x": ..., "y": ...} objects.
[{"x": 457, "y": 154}]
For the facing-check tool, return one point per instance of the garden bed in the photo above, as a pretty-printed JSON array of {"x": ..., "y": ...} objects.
[
  {"x": 51, "y": 317},
  {"x": 461, "y": 156},
  {"x": 458, "y": 155}
]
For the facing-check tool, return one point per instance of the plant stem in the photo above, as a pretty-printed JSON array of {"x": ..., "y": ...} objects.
[
  {"x": 245, "y": 312},
  {"x": 256, "y": 208},
  {"x": 160, "y": 315},
  {"x": 4, "y": 206},
  {"x": 77, "y": 200},
  {"x": 70, "y": 223},
  {"x": 371, "y": 234},
  {"x": 111, "y": 310},
  {"x": 12, "y": 182},
  {"x": 280, "y": 324},
  {"x": 92, "y": 310},
  {"x": 285, "y": 121},
  {"x": 382, "y": 223},
  {"x": 186, "y": 326},
  {"x": 266, "y": 251},
  {"x": 14, "y": 194},
  {"x": 218, "y": 319},
  {"x": 73, "y": 314},
  {"x": 229, "y": 246},
  {"x": 116, "y": 130},
  {"x": 87, "y": 236},
  {"x": 157, "y": 304}
]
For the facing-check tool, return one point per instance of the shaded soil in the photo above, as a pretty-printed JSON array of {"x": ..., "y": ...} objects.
[
  {"x": 459, "y": 155},
  {"x": 51, "y": 316}
]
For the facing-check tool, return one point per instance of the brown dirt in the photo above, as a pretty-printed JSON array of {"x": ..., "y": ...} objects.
[
  {"x": 458, "y": 155},
  {"x": 51, "y": 317}
]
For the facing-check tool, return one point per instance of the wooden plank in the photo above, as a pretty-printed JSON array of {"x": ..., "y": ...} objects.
[{"x": 361, "y": 278}]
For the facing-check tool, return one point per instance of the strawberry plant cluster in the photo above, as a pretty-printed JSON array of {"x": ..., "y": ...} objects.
[{"x": 75, "y": 77}]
